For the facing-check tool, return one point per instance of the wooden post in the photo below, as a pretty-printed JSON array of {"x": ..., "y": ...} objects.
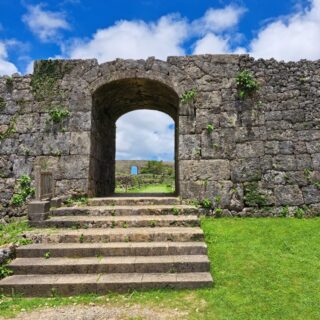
[{"x": 37, "y": 176}]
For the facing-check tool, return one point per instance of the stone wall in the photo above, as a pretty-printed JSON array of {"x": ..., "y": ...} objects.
[{"x": 263, "y": 151}]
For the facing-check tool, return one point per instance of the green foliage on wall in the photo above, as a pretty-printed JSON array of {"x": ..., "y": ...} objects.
[
  {"x": 188, "y": 96},
  {"x": 24, "y": 191},
  {"x": 253, "y": 197},
  {"x": 10, "y": 130},
  {"x": 246, "y": 84}
]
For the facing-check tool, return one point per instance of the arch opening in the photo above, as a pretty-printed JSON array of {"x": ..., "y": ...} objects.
[{"x": 110, "y": 102}]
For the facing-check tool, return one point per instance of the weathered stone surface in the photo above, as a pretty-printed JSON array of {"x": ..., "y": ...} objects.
[
  {"x": 288, "y": 195},
  {"x": 272, "y": 139},
  {"x": 205, "y": 170},
  {"x": 311, "y": 194},
  {"x": 245, "y": 170}
]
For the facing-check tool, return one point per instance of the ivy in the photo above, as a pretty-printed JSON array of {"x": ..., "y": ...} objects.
[
  {"x": 188, "y": 96},
  {"x": 24, "y": 191},
  {"x": 45, "y": 78},
  {"x": 246, "y": 84}
]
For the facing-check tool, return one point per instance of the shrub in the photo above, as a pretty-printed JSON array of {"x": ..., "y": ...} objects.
[
  {"x": 246, "y": 84},
  {"x": 24, "y": 191},
  {"x": 284, "y": 212},
  {"x": 5, "y": 272},
  {"x": 299, "y": 213},
  {"x": 206, "y": 203},
  {"x": 253, "y": 198}
]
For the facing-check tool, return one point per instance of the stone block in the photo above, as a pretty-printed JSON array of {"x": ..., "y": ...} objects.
[
  {"x": 80, "y": 143},
  {"x": 253, "y": 149},
  {"x": 205, "y": 170},
  {"x": 189, "y": 147},
  {"x": 311, "y": 194},
  {"x": 284, "y": 163},
  {"x": 187, "y": 125},
  {"x": 38, "y": 207},
  {"x": 290, "y": 195},
  {"x": 245, "y": 170}
]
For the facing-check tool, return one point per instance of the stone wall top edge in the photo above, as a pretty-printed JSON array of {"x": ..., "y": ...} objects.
[{"x": 187, "y": 57}]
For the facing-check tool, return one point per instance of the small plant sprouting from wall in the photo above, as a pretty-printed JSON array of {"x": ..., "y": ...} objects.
[
  {"x": 246, "y": 84},
  {"x": 299, "y": 213},
  {"x": 58, "y": 114},
  {"x": 10, "y": 130},
  {"x": 206, "y": 203},
  {"x": 210, "y": 128},
  {"x": 254, "y": 198},
  {"x": 188, "y": 96},
  {"x": 24, "y": 191}
]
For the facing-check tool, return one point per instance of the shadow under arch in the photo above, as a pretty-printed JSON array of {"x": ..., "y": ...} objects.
[{"x": 110, "y": 102}]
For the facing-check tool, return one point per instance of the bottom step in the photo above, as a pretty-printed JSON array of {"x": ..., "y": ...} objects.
[{"x": 71, "y": 284}]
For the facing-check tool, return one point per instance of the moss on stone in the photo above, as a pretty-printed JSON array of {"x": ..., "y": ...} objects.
[
  {"x": 45, "y": 77},
  {"x": 2, "y": 104}
]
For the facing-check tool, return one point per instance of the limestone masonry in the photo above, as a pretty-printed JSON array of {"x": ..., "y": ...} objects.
[{"x": 261, "y": 152}]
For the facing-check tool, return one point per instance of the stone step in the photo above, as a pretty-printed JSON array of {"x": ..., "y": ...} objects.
[
  {"x": 118, "y": 221},
  {"x": 126, "y": 210},
  {"x": 176, "y": 234},
  {"x": 66, "y": 285},
  {"x": 112, "y": 249},
  {"x": 133, "y": 200},
  {"x": 128, "y": 264}
]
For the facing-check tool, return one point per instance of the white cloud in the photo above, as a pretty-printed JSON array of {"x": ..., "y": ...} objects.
[
  {"x": 211, "y": 43},
  {"x": 216, "y": 28},
  {"x": 145, "y": 135},
  {"x": 45, "y": 24},
  {"x": 219, "y": 20},
  {"x": 290, "y": 38},
  {"x": 6, "y": 67},
  {"x": 135, "y": 40}
]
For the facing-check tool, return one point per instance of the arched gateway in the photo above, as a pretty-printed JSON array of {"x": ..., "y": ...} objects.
[{"x": 110, "y": 102}]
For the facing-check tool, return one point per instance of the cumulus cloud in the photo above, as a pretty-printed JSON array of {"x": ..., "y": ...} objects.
[
  {"x": 45, "y": 24},
  {"x": 145, "y": 135},
  {"x": 216, "y": 28},
  {"x": 218, "y": 20},
  {"x": 212, "y": 43},
  {"x": 134, "y": 39},
  {"x": 290, "y": 38},
  {"x": 6, "y": 67}
]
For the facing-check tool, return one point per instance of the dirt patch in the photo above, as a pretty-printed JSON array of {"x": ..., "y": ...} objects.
[{"x": 126, "y": 312}]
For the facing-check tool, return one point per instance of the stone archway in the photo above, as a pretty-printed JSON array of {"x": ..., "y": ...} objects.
[{"x": 112, "y": 100}]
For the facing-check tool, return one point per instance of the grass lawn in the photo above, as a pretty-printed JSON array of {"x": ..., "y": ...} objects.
[
  {"x": 151, "y": 188},
  {"x": 263, "y": 269}
]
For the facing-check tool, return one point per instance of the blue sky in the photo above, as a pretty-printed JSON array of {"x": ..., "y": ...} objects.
[{"x": 107, "y": 29}]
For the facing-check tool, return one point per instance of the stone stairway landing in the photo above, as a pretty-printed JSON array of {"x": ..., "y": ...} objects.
[{"x": 112, "y": 244}]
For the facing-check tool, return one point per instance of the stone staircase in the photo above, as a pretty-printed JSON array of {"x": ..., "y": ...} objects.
[{"x": 112, "y": 244}]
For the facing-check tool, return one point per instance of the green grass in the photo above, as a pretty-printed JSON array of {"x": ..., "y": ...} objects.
[
  {"x": 11, "y": 232},
  {"x": 263, "y": 269},
  {"x": 151, "y": 188}
]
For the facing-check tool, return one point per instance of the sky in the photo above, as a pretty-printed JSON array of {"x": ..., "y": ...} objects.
[{"x": 108, "y": 29}]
